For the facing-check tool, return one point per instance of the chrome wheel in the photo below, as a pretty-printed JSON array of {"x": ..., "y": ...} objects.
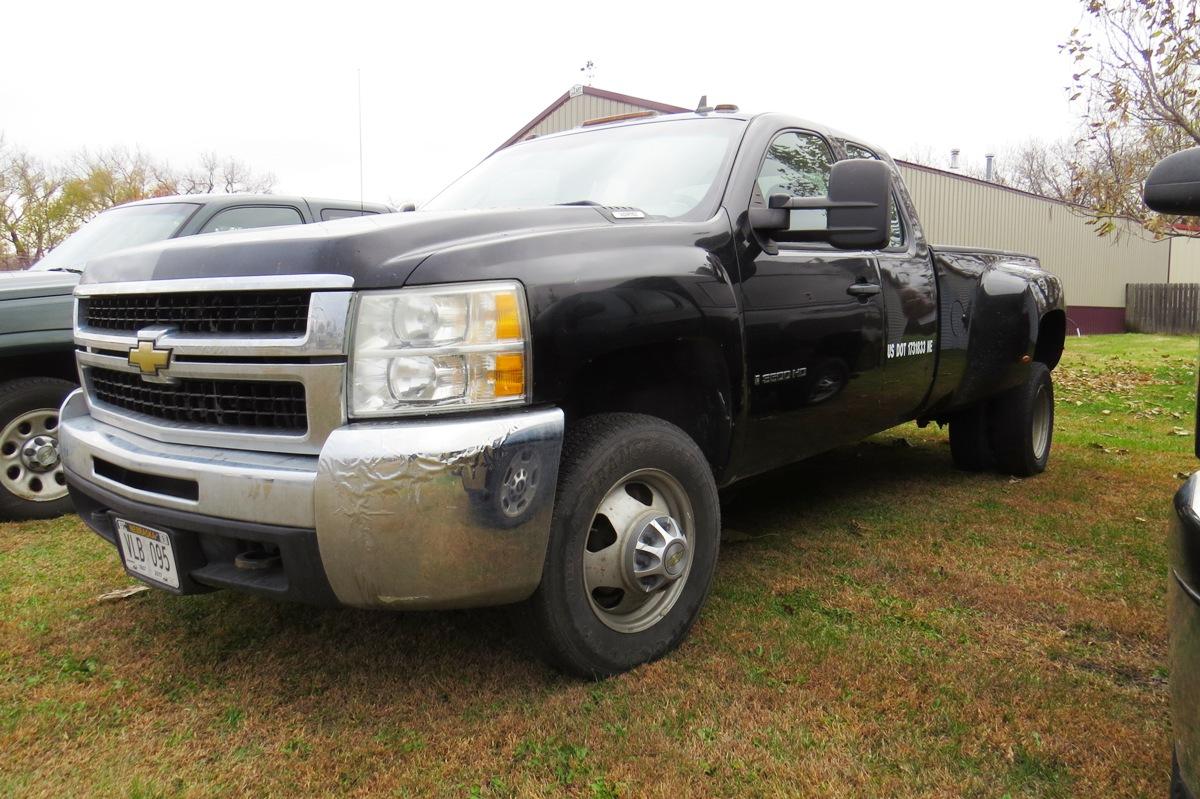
[
  {"x": 638, "y": 551},
  {"x": 1040, "y": 426},
  {"x": 30, "y": 467}
]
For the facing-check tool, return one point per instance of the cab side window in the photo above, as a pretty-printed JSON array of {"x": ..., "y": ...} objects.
[
  {"x": 252, "y": 216},
  {"x": 796, "y": 164},
  {"x": 896, "y": 240}
]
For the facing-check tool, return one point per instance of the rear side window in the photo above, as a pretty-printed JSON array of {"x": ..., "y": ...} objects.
[
  {"x": 253, "y": 216},
  {"x": 897, "y": 226},
  {"x": 328, "y": 214},
  {"x": 858, "y": 151}
]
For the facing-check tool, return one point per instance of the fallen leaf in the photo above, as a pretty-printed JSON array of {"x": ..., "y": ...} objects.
[{"x": 122, "y": 593}]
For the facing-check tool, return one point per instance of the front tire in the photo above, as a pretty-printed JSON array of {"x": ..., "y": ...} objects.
[
  {"x": 633, "y": 546},
  {"x": 32, "y": 483}
]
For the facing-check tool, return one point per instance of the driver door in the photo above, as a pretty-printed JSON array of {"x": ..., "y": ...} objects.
[{"x": 814, "y": 323}]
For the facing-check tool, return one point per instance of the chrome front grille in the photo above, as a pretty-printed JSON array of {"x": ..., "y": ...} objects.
[
  {"x": 240, "y": 375},
  {"x": 268, "y": 405},
  {"x": 239, "y": 312}
]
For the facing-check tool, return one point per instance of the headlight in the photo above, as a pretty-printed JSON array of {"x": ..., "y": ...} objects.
[{"x": 444, "y": 347}]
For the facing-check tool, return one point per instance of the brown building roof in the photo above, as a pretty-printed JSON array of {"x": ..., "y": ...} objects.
[{"x": 594, "y": 92}]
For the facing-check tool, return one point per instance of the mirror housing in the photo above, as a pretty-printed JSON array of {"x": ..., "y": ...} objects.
[
  {"x": 858, "y": 209},
  {"x": 1173, "y": 185}
]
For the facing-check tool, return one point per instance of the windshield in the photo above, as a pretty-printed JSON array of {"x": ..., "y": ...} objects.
[
  {"x": 667, "y": 168},
  {"x": 116, "y": 229}
]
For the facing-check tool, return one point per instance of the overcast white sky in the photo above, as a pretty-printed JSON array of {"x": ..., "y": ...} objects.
[{"x": 444, "y": 83}]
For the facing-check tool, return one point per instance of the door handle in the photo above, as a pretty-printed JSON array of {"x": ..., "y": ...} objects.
[{"x": 863, "y": 290}]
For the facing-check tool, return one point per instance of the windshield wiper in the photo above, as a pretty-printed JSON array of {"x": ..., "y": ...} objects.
[
  {"x": 583, "y": 202},
  {"x": 70, "y": 269}
]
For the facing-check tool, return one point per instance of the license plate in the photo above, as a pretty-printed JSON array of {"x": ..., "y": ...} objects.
[{"x": 148, "y": 553}]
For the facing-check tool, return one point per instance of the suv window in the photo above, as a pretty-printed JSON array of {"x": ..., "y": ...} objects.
[
  {"x": 252, "y": 216},
  {"x": 116, "y": 229},
  {"x": 328, "y": 214},
  {"x": 797, "y": 164}
]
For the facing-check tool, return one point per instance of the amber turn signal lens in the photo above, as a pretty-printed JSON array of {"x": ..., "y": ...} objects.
[
  {"x": 508, "y": 318},
  {"x": 509, "y": 375}
]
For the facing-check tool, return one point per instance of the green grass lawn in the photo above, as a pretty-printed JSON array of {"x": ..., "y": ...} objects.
[{"x": 882, "y": 625}]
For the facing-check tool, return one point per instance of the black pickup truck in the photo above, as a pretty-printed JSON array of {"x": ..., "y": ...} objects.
[{"x": 532, "y": 389}]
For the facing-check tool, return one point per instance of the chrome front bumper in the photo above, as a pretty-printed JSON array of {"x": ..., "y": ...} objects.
[{"x": 430, "y": 513}]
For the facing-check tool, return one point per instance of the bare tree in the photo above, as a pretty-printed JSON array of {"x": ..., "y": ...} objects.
[
  {"x": 115, "y": 176},
  {"x": 42, "y": 203},
  {"x": 1138, "y": 88},
  {"x": 35, "y": 215},
  {"x": 1039, "y": 167},
  {"x": 227, "y": 175}
]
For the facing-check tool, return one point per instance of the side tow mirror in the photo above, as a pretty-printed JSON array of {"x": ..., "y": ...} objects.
[
  {"x": 1173, "y": 185},
  {"x": 858, "y": 209}
]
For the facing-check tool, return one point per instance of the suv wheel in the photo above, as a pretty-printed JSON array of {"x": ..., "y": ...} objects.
[
  {"x": 633, "y": 546},
  {"x": 32, "y": 483}
]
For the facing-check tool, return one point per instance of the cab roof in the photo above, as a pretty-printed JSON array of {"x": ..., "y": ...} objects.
[{"x": 767, "y": 117}]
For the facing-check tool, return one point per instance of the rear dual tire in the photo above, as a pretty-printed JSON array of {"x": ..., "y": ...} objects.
[{"x": 1012, "y": 432}]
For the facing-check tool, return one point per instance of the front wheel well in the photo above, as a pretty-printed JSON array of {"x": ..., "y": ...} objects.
[
  {"x": 1052, "y": 337},
  {"x": 54, "y": 363},
  {"x": 686, "y": 384}
]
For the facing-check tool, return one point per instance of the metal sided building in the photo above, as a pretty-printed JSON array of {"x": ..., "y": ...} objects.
[{"x": 956, "y": 209}]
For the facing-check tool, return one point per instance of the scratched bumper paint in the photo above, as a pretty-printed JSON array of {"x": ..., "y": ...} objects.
[{"x": 438, "y": 513}]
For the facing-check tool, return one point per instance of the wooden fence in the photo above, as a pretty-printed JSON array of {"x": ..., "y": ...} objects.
[{"x": 1162, "y": 307}]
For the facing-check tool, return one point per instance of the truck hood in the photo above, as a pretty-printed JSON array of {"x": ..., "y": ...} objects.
[
  {"x": 25, "y": 284},
  {"x": 376, "y": 251}
]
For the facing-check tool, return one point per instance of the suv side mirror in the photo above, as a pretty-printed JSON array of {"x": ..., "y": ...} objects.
[
  {"x": 1173, "y": 185},
  {"x": 858, "y": 209}
]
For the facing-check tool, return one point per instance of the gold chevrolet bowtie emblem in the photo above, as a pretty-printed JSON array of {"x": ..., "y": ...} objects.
[{"x": 149, "y": 359}]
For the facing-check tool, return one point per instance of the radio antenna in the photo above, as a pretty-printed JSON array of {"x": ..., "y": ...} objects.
[{"x": 361, "y": 203}]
